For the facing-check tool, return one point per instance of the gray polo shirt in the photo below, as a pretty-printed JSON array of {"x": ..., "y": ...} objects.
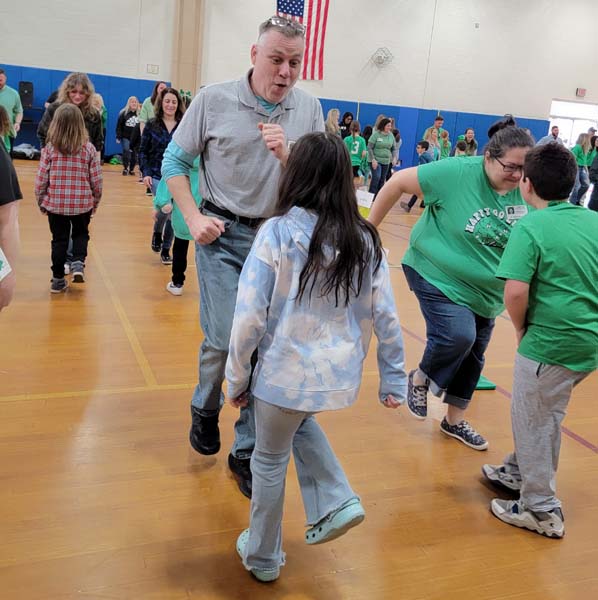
[{"x": 237, "y": 171}]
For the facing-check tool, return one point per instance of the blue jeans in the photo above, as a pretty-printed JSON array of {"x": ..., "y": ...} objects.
[
  {"x": 129, "y": 156},
  {"x": 457, "y": 339},
  {"x": 378, "y": 178},
  {"x": 324, "y": 486},
  {"x": 163, "y": 224},
  {"x": 219, "y": 266},
  {"x": 582, "y": 183}
]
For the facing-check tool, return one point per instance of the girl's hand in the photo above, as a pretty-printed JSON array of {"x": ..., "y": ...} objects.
[
  {"x": 155, "y": 213},
  {"x": 374, "y": 164},
  {"x": 148, "y": 181},
  {"x": 391, "y": 402},
  {"x": 239, "y": 401}
]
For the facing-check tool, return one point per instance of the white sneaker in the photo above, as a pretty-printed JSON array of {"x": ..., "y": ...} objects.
[
  {"x": 514, "y": 513},
  {"x": 67, "y": 268},
  {"x": 175, "y": 290},
  {"x": 498, "y": 475}
]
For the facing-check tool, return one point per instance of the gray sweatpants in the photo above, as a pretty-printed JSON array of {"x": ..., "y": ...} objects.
[{"x": 541, "y": 394}]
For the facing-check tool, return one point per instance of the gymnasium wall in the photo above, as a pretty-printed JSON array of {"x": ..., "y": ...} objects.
[
  {"x": 111, "y": 37},
  {"x": 521, "y": 56}
]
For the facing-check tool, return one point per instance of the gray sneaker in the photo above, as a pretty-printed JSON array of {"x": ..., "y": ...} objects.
[
  {"x": 78, "y": 271},
  {"x": 551, "y": 524},
  {"x": 497, "y": 475},
  {"x": 465, "y": 433},
  {"x": 417, "y": 398},
  {"x": 58, "y": 285}
]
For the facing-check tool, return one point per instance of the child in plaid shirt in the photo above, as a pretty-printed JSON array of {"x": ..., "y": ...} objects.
[{"x": 68, "y": 188}]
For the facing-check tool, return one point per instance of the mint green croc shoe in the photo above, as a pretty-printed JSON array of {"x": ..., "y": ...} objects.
[
  {"x": 336, "y": 523},
  {"x": 263, "y": 575}
]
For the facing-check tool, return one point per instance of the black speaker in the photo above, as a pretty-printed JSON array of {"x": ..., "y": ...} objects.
[{"x": 26, "y": 93}]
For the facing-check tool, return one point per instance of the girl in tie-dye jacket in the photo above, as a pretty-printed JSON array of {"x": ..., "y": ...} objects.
[{"x": 313, "y": 288}]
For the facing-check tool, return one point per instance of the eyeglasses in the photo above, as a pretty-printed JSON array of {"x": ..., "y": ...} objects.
[
  {"x": 509, "y": 168},
  {"x": 285, "y": 23}
]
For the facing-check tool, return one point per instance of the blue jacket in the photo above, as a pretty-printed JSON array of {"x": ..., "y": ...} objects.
[{"x": 310, "y": 353}]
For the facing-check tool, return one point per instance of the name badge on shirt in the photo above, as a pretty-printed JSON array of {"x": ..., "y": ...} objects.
[
  {"x": 514, "y": 213},
  {"x": 5, "y": 268}
]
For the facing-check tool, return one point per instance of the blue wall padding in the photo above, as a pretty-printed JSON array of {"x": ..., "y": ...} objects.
[{"x": 411, "y": 121}]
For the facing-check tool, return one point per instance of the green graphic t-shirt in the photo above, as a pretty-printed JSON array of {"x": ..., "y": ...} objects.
[
  {"x": 555, "y": 250},
  {"x": 356, "y": 147},
  {"x": 458, "y": 241}
]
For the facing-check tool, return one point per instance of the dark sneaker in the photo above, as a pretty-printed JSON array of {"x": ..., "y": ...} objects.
[
  {"x": 498, "y": 476},
  {"x": 156, "y": 242},
  {"x": 166, "y": 258},
  {"x": 417, "y": 398},
  {"x": 205, "y": 433},
  {"x": 148, "y": 191},
  {"x": 405, "y": 206},
  {"x": 58, "y": 285},
  {"x": 78, "y": 271},
  {"x": 465, "y": 433},
  {"x": 551, "y": 524},
  {"x": 132, "y": 172},
  {"x": 241, "y": 470},
  {"x": 125, "y": 172}
]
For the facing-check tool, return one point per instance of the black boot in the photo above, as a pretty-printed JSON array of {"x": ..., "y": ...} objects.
[
  {"x": 205, "y": 433},
  {"x": 242, "y": 473}
]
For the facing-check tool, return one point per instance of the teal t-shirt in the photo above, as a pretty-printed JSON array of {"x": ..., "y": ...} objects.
[
  {"x": 458, "y": 241},
  {"x": 562, "y": 272},
  {"x": 356, "y": 146},
  {"x": 163, "y": 197}
]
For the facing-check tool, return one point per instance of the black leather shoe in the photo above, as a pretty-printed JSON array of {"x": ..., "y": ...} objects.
[
  {"x": 242, "y": 473},
  {"x": 156, "y": 242},
  {"x": 205, "y": 433}
]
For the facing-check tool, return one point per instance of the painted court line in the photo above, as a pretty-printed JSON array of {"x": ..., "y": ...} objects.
[
  {"x": 142, "y": 361},
  {"x": 99, "y": 392}
]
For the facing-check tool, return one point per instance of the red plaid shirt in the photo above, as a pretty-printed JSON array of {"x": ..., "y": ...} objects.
[{"x": 69, "y": 185}]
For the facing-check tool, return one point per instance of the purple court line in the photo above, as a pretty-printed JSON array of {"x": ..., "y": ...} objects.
[{"x": 574, "y": 436}]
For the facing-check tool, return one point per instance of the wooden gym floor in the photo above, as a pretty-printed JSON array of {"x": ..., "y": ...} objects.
[{"x": 102, "y": 497}]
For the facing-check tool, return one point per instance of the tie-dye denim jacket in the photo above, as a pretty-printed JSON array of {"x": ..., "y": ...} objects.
[{"x": 310, "y": 353}]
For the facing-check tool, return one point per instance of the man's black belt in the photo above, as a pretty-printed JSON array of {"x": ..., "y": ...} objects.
[{"x": 252, "y": 222}]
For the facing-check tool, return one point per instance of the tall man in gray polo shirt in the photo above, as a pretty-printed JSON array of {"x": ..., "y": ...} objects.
[{"x": 242, "y": 130}]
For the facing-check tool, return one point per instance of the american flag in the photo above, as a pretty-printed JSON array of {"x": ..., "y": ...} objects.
[{"x": 314, "y": 15}]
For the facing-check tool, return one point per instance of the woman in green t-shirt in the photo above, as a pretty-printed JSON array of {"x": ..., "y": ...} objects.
[
  {"x": 454, "y": 250},
  {"x": 147, "y": 111},
  {"x": 382, "y": 153}
]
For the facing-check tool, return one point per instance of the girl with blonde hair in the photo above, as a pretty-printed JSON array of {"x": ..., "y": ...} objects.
[
  {"x": 128, "y": 120},
  {"x": 331, "y": 124},
  {"x": 68, "y": 188},
  {"x": 584, "y": 155}
]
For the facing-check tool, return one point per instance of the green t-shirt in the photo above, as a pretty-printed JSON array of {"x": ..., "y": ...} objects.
[
  {"x": 147, "y": 111},
  {"x": 562, "y": 271},
  {"x": 458, "y": 241},
  {"x": 10, "y": 99},
  {"x": 583, "y": 159},
  {"x": 356, "y": 147},
  {"x": 445, "y": 149},
  {"x": 382, "y": 147}
]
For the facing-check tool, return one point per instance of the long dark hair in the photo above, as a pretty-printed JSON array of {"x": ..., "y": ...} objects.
[
  {"x": 504, "y": 135},
  {"x": 159, "y": 109},
  {"x": 319, "y": 177}
]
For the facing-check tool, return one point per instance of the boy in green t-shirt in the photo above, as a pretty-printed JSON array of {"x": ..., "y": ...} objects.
[
  {"x": 357, "y": 150},
  {"x": 551, "y": 294}
]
